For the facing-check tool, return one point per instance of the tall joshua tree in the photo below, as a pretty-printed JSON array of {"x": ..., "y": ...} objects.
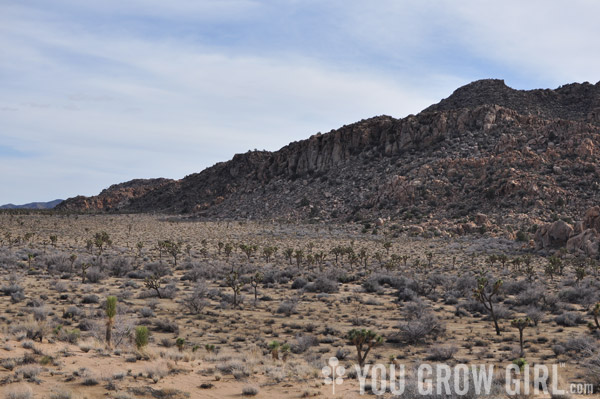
[
  {"x": 485, "y": 294},
  {"x": 111, "y": 312}
]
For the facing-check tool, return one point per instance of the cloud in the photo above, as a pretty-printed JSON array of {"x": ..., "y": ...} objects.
[{"x": 107, "y": 91}]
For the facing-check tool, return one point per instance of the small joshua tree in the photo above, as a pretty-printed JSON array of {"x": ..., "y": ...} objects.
[
  {"x": 274, "y": 348},
  {"x": 256, "y": 279},
  {"x": 285, "y": 351},
  {"x": 596, "y": 314},
  {"x": 141, "y": 337},
  {"x": 236, "y": 284},
  {"x": 153, "y": 283},
  {"x": 111, "y": 312},
  {"x": 174, "y": 249},
  {"x": 180, "y": 343},
  {"x": 101, "y": 241},
  {"x": 268, "y": 252},
  {"x": 364, "y": 341},
  {"x": 84, "y": 267},
  {"x": 521, "y": 324},
  {"x": 485, "y": 294},
  {"x": 228, "y": 248},
  {"x": 72, "y": 259},
  {"x": 288, "y": 253}
]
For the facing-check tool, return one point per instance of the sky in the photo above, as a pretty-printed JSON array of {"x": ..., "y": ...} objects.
[{"x": 100, "y": 92}]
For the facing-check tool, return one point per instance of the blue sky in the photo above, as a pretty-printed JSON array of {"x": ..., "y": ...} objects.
[{"x": 96, "y": 93}]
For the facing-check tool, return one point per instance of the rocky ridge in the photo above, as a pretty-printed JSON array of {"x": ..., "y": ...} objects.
[{"x": 516, "y": 158}]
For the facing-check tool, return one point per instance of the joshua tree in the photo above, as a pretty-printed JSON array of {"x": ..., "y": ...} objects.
[
  {"x": 139, "y": 246},
  {"x": 298, "y": 255},
  {"x": 53, "y": 240},
  {"x": 84, "y": 267},
  {"x": 209, "y": 348},
  {"x": 141, "y": 337},
  {"x": 249, "y": 250},
  {"x": 180, "y": 343},
  {"x": 485, "y": 294},
  {"x": 552, "y": 267},
  {"x": 101, "y": 241},
  {"x": 256, "y": 279},
  {"x": 72, "y": 259},
  {"x": 288, "y": 253},
  {"x": 268, "y": 252},
  {"x": 521, "y": 324},
  {"x": 387, "y": 246},
  {"x": 364, "y": 341},
  {"x": 30, "y": 257},
  {"x": 153, "y": 282},
  {"x": 220, "y": 246},
  {"x": 111, "y": 312},
  {"x": 236, "y": 284},
  {"x": 228, "y": 248},
  {"x": 503, "y": 259},
  {"x": 338, "y": 252},
  {"x": 274, "y": 348},
  {"x": 596, "y": 314},
  {"x": 174, "y": 249},
  {"x": 285, "y": 351},
  {"x": 429, "y": 256}
]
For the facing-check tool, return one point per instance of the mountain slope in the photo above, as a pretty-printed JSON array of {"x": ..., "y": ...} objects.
[
  {"x": 487, "y": 148},
  {"x": 33, "y": 205}
]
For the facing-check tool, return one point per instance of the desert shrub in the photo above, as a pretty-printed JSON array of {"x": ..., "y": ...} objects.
[
  {"x": 578, "y": 295},
  {"x": 119, "y": 267},
  {"x": 19, "y": 392},
  {"x": 415, "y": 309},
  {"x": 465, "y": 285},
  {"x": 569, "y": 319},
  {"x": 146, "y": 312},
  {"x": 299, "y": 283},
  {"x": 57, "y": 263},
  {"x": 502, "y": 312},
  {"x": 87, "y": 325},
  {"x": 515, "y": 287},
  {"x": 196, "y": 301},
  {"x": 72, "y": 312},
  {"x": 303, "y": 343},
  {"x": 158, "y": 269},
  {"x": 287, "y": 307},
  {"x": 414, "y": 331},
  {"x": 10, "y": 289},
  {"x": 68, "y": 335},
  {"x": 441, "y": 353},
  {"x": 169, "y": 291},
  {"x": 535, "y": 315},
  {"x": 90, "y": 299},
  {"x": 531, "y": 297},
  {"x": 405, "y": 294},
  {"x": 40, "y": 313},
  {"x": 167, "y": 326},
  {"x": 580, "y": 344},
  {"x": 371, "y": 284},
  {"x": 249, "y": 391},
  {"x": 323, "y": 285},
  {"x": 473, "y": 306},
  {"x": 193, "y": 274},
  {"x": 94, "y": 275},
  {"x": 28, "y": 372},
  {"x": 61, "y": 394}
]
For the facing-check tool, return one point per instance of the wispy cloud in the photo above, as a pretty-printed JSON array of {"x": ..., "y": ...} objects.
[{"x": 107, "y": 91}]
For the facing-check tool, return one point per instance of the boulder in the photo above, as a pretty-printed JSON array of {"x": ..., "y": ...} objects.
[
  {"x": 591, "y": 220},
  {"x": 553, "y": 235},
  {"x": 585, "y": 243}
]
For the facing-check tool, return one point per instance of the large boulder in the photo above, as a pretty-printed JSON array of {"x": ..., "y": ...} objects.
[
  {"x": 554, "y": 235},
  {"x": 591, "y": 220},
  {"x": 585, "y": 243}
]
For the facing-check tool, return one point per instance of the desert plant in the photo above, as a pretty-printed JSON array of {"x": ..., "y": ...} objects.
[
  {"x": 485, "y": 294},
  {"x": 180, "y": 343},
  {"x": 274, "y": 348},
  {"x": 153, "y": 282},
  {"x": 141, "y": 336},
  {"x": 101, "y": 241},
  {"x": 235, "y": 283},
  {"x": 521, "y": 324},
  {"x": 364, "y": 340},
  {"x": 256, "y": 279},
  {"x": 111, "y": 312}
]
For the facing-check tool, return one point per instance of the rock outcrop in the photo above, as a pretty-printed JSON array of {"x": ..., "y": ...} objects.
[{"x": 515, "y": 157}]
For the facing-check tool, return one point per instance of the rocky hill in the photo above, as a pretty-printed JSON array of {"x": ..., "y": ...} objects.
[
  {"x": 33, "y": 205},
  {"x": 508, "y": 156}
]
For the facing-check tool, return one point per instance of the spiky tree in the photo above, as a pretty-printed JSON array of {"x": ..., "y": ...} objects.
[
  {"x": 364, "y": 340},
  {"x": 84, "y": 267},
  {"x": 387, "y": 246},
  {"x": 274, "y": 348},
  {"x": 153, "y": 283},
  {"x": 228, "y": 248},
  {"x": 111, "y": 312},
  {"x": 485, "y": 294},
  {"x": 236, "y": 284},
  {"x": 141, "y": 337},
  {"x": 298, "y": 255},
  {"x": 72, "y": 259},
  {"x": 174, "y": 249},
  {"x": 521, "y": 324},
  {"x": 256, "y": 279},
  {"x": 268, "y": 252},
  {"x": 180, "y": 343},
  {"x": 101, "y": 241}
]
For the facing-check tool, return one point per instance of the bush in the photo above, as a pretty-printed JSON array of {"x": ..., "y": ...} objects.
[
  {"x": 569, "y": 319},
  {"x": 249, "y": 391},
  {"x": 20, "y": 392},
  {"x": 287, "y": 307},
  {"x": 299, "y": 283},
  {"x": 94, "y": 275},
  {"x": 441, "y": 353},
  {"x": 303, "y": 343},
  {"x": 158, "y": 269},
  {"x": 141, "y": 336},
  {"x": 324, "y": 285},
  {"x": 415, "y": 331},
  {"x": 146, "y": 312},
  {"x": 90, "y": 299},
  {"x": 167, "y": 326},
  {"x": 120, "y": 267},
  {"x": 196, "y": 301}
]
